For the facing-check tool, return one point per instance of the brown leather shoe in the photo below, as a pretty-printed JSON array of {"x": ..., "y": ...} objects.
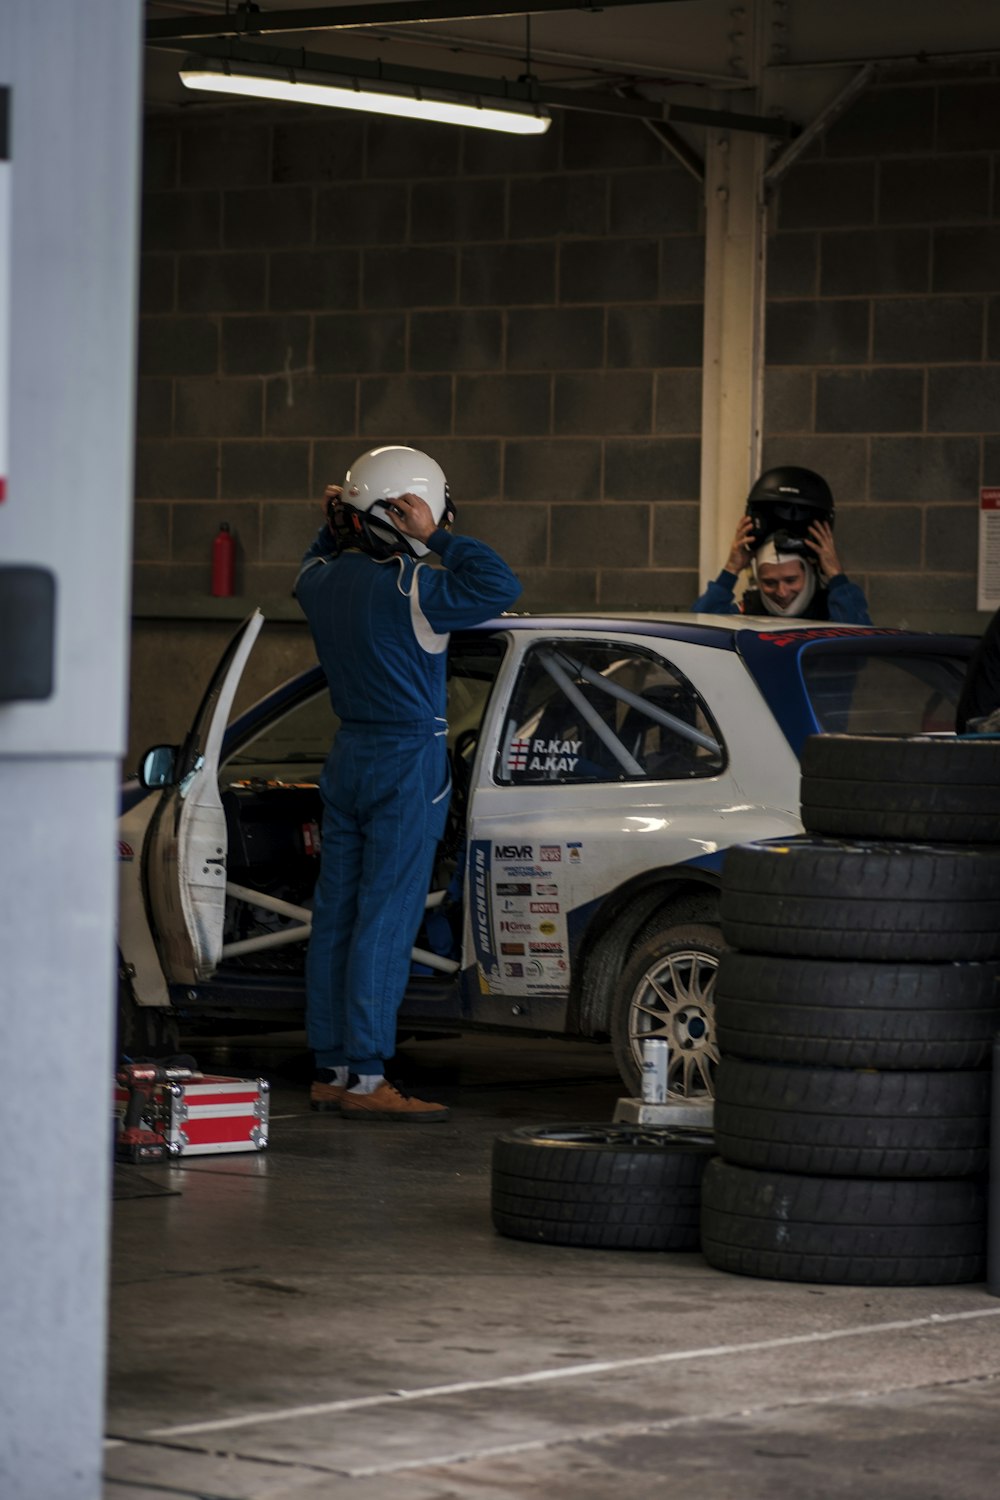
[
  {"x": 326, "y": 1096},
  {"x": 387, "y": 1103}
]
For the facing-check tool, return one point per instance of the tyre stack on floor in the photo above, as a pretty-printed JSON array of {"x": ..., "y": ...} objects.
[{"x": 855, "y": 1019}]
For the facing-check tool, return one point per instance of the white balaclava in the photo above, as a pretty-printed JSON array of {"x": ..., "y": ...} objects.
[{"x": 768, "y": 554}]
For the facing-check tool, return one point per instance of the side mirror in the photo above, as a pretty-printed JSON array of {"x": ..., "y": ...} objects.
[{"x": 159, "y": 767}]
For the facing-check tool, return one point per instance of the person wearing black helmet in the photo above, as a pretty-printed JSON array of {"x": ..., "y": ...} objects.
[{"x": 786, "y": 538}]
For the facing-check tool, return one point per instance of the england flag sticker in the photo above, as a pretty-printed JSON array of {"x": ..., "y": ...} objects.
[{"x": 517, "y": 755}]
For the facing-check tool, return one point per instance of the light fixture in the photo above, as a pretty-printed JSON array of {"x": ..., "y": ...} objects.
[{"x": 373, "y": 95}]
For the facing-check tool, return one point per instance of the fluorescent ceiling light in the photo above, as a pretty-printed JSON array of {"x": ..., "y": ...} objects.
[{"x": 412, "y": 101}]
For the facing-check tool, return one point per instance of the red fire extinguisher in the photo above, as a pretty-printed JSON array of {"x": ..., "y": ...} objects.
[{"x": 223, "y": 558}]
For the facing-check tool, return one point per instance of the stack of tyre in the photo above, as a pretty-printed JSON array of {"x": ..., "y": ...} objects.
[{"x": 855, "y": 1019}]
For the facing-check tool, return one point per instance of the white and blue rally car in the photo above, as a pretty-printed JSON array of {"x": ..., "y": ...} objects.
[{"x": 601, "y": 767}]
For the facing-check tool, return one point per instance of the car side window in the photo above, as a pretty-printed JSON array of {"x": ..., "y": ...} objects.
[
  {"x": 590, "y": 711},
  {"x": 869, "y": 693}
]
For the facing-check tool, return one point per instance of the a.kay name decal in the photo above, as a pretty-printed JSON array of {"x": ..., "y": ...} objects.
[{"x": 543, "y": 756}]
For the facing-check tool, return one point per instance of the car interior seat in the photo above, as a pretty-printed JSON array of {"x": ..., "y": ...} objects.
[{"x": 661, "y": 751}]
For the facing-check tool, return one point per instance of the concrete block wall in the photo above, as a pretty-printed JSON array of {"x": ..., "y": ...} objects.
[
  {"x": 883, "y": 335},
  {"x": 528, "y": 311}
]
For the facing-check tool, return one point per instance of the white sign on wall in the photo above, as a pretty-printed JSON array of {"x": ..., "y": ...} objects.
[
  {"x": 988, "y": 591},
  {"x": 4, "y": 284}
]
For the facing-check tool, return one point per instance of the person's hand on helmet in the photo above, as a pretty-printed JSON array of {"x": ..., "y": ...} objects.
[
  {"x": 739, "y": 552},
  {"x": 820, "y": 540},
  {"x": 331, "y": 495},
  {"x": 412, "y": 516}
]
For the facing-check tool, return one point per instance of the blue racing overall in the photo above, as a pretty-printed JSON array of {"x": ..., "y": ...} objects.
[{"x": 380, "y": 629}]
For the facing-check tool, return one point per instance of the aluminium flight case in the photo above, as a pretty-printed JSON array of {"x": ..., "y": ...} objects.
[{"x": 206, "y": 1114}]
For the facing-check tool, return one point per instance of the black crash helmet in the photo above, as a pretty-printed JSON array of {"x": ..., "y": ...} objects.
[{"x": 786, "y": 502}]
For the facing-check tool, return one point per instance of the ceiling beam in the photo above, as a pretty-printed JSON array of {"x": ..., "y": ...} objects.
[{"x": 241, "y": 24}]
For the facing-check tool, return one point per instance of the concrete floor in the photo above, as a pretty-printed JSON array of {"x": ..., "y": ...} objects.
[{"x": 337, "y": 1318}]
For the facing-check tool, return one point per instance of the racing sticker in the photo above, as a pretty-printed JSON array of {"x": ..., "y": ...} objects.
[
  {"x": 482, "y": 917},
  {"x": 820, "y": 633},
  {"x": 520, "y": 898},
  {"x": 541, "y": 757}
]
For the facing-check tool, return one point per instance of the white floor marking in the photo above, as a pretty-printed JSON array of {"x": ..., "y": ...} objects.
[
  {"x": 568, "y": 1372},
  {"x": 623, "y": 1430}
]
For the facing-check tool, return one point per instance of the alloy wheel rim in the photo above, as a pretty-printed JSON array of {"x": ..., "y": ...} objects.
[{"x": 675, "y": 1000}]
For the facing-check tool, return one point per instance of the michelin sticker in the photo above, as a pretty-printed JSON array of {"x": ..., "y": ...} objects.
[
  {"x": 487, "y": 963},
  {"x": 519, "y": 924}
]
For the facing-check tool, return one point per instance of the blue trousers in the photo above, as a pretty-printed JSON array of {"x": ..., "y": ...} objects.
[{"x": 385, "y": 801}]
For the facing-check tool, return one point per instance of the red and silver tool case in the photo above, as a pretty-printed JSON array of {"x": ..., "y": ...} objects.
[{"x": 206, "y": 1114}]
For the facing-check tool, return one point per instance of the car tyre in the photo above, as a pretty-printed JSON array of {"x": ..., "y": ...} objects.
[
  {"x": 600, "y": 1187},
  {"x": 908, "y": 787},
  {"x": 884, "y": 902},
  {"x": 667, "y": 989},
  {"x": 856, "y": 1015},
  {"x": 852, "y": 1122},
  {"x": 142, "y": 1030},
  {"x": 843, "y": 1231}
]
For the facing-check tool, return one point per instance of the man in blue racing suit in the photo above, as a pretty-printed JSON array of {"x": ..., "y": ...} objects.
[
  {"x": 380, "y": 617},
  {"x": 786, "y": 538}
]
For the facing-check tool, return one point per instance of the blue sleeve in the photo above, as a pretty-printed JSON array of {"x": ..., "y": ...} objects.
[
  {"x": 322, "y": 546},
  {"x": 847, "y": 603},
  {"x": 474, "y": 585},
  {"x": 718, "y": 597}
]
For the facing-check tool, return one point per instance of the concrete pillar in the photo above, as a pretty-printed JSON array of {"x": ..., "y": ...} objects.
[
  {"x": 733, "y": 381},
  {"x": 66, "y": 381}
]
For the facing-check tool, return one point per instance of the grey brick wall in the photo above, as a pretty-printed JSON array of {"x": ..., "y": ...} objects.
[
  {"x": 531, "y": 313},
  {"x": 883, "y": 359}
]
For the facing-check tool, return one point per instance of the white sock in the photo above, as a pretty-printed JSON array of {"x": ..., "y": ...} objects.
[
  {"x": 339, "y": 1076},
  {"x": 367, "y": 1083}
]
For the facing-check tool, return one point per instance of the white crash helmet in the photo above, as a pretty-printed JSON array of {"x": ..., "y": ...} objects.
[
  {"x": 770, "y": 553},
  {"x": 383, "y": 473}
]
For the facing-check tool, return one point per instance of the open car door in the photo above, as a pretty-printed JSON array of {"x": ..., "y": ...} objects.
[{"x": 187, "y": 842}]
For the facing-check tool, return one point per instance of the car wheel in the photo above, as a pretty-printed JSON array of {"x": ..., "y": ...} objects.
[
  {"x": 600, "y": 1187},
  {"x": 826, "y": 899},
  {"x": 902, "y": 787},
  {"x": 856, "y": 1015},
  {"x": 668, "y": 990},
  {"x": 852, "y": 1122},
  {"x": 142, "y": 1030},
  {"x": 842, "y": 1231}
]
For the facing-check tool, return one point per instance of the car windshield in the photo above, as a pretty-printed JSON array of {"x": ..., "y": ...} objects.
[
  {"x": 291, "y": 743},
  {"x": 861, "y": 692}
]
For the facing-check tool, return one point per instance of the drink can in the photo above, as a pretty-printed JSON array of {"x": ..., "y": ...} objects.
[{"x": 655, "y": 1060}]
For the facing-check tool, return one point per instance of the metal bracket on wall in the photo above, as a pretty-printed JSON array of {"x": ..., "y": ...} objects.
[{"x": 791, "y": 153}]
